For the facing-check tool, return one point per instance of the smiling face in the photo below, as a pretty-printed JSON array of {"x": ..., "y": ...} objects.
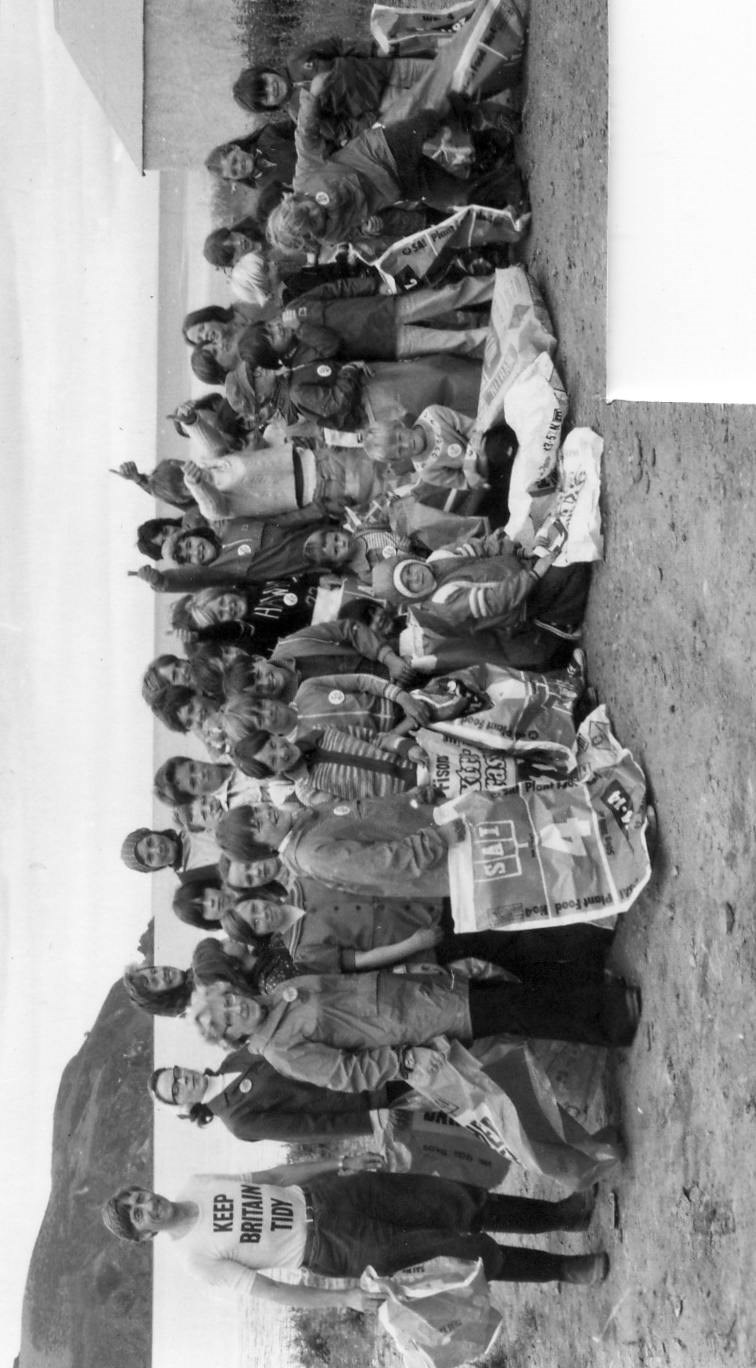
[
  {"x": 197, "y": 777},
  {"x": 269, "y": 824},
  {"x": 269, "y": 681},
  {"x": 231, "y": 1017},
  {"x": 206, "y": 334},
  {"x": 157, "y": 850},
  {"x": 275, "y": 89},
  {"x": 331, "y": 548},
  {"x": 418, "y": 578},
  {"x": 194, "y": 549},
  {"x": 216, "y": 901},
  {"x": 176, "y": 671},
  {"x": 229, "y": 607},
  {"x": 235, "y": 164},
  {"x": 180, "y": 1087},
  {"x": 149, "y": 1212},
  {"x": 279, "y": 755},
  {"x": 264, "y": 918},
  {"x": 191, "y": 714},
  {"x": 159, "y": 977},
  {"x": 201, "y": 812},
  {"x": 253, "y": 873}
]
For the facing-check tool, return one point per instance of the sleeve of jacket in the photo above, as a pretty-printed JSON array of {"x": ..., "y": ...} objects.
[
  {"x": 340, "y": 1070},
  {"x": 311, "y": 147},
  {"x": 331, "y": 857},
  {"x": 486, "y": 601}
]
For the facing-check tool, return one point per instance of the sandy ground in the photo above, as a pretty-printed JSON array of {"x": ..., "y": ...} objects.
[{"x": 669, "y": 639}]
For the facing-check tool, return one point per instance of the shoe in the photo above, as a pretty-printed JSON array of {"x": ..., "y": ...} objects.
[
  {"x": 576, "y": 1212},
  {"x": 585, "y": 1270}
]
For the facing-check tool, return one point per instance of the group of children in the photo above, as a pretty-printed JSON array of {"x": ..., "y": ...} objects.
[{"x": 338, "y": 550}]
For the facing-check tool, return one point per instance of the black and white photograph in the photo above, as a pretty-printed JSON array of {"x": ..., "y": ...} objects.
[{"x": 377, "y": 658}]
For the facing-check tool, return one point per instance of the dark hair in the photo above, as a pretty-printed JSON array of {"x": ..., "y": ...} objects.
[
  {"x": 218, "y": 250},
  {"x": 239, "y": 677},
  {"x": 166, "y": 706},
  {"x": 170, "y": 1002},
  {"x": 212, "y": 313},
  {"x": 258, "y": 350},
  {"x": 234, "y": 836},
  {"x": 257, "y": 891},
  {"x": 187, "y": 903},
  {"x": 246, "y": 751},
  {"x": 249, "y": 88},
  {"x": 116, "y": 1217},
  {"x": 153, "y": 684},
  {"x": 164, "y": 784},
  {"x": 206, "y": 368},
  {"x": 358, "y": 610},
  {"x": 179, "y": 540},
  {"x": 150, "y": 535},
  {"x": 207, "y": 669},
  {"x": 245, "y": 144}
]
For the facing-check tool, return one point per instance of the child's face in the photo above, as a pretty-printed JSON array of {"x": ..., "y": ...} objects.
[
  {"x": 418, "y": 578},
  {"x": 335, "y": 547}
]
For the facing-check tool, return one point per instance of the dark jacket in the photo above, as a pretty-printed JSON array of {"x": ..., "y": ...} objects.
[{"x": 263, "y": 1105}]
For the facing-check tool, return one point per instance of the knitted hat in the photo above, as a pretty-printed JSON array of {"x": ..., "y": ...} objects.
[
  {"x": 387, "y": 580},
  {"x": 129, "y": 850}
]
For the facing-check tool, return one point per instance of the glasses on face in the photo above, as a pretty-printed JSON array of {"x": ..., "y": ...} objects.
[{"x": 175, "y": 1072}]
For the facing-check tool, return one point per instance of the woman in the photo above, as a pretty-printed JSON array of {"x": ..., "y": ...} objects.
[
  {"x": 356, "y": 1031},
  {"x": 165, "y": 671},
  {"x": 215, "y": 330},
  {"x": 165, "y": 990}
]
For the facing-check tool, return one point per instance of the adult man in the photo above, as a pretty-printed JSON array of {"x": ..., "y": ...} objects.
[
  {"x": 229, "y": 1227},
  {"x": 255, "y": 1102}
]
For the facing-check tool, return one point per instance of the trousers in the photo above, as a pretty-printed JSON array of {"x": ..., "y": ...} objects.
[{"x": 392, "y": 1220}]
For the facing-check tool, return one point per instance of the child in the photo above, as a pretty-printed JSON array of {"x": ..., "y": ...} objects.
[{"x": 487, "y": 602}]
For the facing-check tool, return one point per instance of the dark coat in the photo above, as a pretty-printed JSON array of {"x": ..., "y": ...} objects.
[{"x": 263, "y": 1105}]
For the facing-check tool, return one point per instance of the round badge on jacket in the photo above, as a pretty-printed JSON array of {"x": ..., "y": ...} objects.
[
  {"x": 342, "y": 810},
  {"x": 322, "y": 198},
  {"x": 245, "y": 1086},
  {"x": 289, "y": 994},
  {"x": 454, "y": 450},
  {"x": 324, "y": 371},
  {"x": 244, "y": 550},
  {"x": 290, "y": 600},
  {"x": 336, "y": 697}
]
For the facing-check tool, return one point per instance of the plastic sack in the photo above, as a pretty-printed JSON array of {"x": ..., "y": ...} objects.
[
  {"x": 535, "y": 407},
  {"x": 422, "y": 1140},
  {"x": 423, "y": 28},
  {"x": 520, "y": 331},
  {"x": 510, "y": 1104},
  {"x": 543, "y": 854},
  {"x": 438, "y": 1313},
  {"x": 575, "y": 502},
  {"x": 414, "y": 260},
  {"x": 483, "y": 57},
  {"x": 525, "y": 714}
]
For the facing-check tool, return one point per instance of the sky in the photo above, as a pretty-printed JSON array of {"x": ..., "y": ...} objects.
[{"x": 77, "y": 391}]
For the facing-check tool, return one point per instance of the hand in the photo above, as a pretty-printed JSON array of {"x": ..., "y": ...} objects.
[
  {"x": 372, "y": 226},
  {"x": 290, "y": 318},
  {"x": 185, "y": 634},
  {"x": 418, "y": 756},
  {"x": 192, "y": 472},
  {"x": 406, "y": 1061},
  {"x": 417, "y": 709},
  {"x": 358, "y": 1300},
  {"x": 427, "y": 939},
  {"x": 151, "y": 576},
  {"x": 399, "y": 670},
  {"x": 127, "y": 470},
  {"x": 362, "y": 1163},
  {"x": 319, "y": 83},
  {"x": 186, "y": 412}
]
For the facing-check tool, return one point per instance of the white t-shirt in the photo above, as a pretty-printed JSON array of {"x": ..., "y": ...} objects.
[{"x": 242, "y": 1227}]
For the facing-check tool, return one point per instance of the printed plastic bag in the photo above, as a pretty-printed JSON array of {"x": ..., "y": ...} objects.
[
  {"x": 414, "y": 260},
  {"x": 418, "y": 29},
  {"x": 519, "y": 332},
  {"x": 535, "y": 407},
  {"x": 423, "y": 1140},
  {"x": 541, "y": 854},
  {"x": 575, "y": 502},
  {"x": 509, "y": 1102},
  {"x": 438, "y": 1313}
]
